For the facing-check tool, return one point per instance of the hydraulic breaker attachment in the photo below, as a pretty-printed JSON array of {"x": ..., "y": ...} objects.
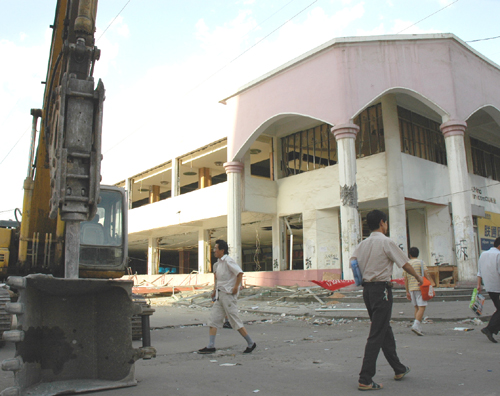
[{"x": 73, "y": 336}]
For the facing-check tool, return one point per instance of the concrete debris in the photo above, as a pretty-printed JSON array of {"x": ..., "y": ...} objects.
[
  {"x": 201, "y": 295},
  {"x": 294, "y": 303},
  {"x": 474, "y": 321}
]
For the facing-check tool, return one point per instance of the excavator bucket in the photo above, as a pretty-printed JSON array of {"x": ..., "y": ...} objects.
[{"x": 73, "y": 336}]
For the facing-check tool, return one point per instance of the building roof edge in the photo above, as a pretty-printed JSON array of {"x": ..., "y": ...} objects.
[{"x": 355, "y": 39}]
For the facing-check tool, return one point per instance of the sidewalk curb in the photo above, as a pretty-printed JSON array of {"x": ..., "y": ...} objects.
[{"x": 352, "y": 317}]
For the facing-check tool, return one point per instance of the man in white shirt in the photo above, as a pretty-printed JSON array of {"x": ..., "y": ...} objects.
[
  {"x": 489, "y": 272},
  {"x": 227, "y": 281},
  {"x": 376, "y": 257}
]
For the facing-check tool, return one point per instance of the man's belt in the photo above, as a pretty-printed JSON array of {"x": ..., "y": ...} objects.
[{"x": 386, "y": 284}]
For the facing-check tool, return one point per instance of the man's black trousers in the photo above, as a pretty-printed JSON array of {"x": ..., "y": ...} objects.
[
  {"x": 494, "y": 323},
  {"x": 378, "y": 301}
]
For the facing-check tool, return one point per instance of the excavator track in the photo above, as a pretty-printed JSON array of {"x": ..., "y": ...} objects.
[{"x": 5, "y": 317}]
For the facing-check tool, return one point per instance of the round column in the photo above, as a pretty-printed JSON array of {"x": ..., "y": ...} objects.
[
  {"x": 234, "y": 204},
  {"x": 465, "y": 250},
  {"x": 395, "y": 182},
  {"x": 345, "y": 135}
]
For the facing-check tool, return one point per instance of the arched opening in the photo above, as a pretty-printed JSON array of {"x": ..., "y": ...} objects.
[{"x": 483, "y": 131}]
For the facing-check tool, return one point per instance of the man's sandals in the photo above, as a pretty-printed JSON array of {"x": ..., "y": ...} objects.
[
  {"x": 372, "y": 386},
  {"x": 399, "y": 377}
]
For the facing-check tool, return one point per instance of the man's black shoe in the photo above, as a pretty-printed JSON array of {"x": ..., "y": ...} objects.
[
  {"x": 206, "y": 350},
  {"x": 488, "y": 334},
  {"x": 250, "y": 349},
  {"x": 227, "y": 325}
]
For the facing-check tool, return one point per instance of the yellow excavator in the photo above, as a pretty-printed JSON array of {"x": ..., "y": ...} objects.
[{"x": 74, "y": 321}]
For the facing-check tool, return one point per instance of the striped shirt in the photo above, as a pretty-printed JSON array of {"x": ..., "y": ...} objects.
[{"x": 417, "y": 266}]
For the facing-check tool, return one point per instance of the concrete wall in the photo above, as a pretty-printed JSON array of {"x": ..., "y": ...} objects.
[
  {"x": 194, "y": 206},
  {"x": 417, "y": 231},
  {"x": 425, "y": 180},
  {"x": 260, "y": 195},
  {"x": 320, "y": 189},
  {"x": 371, "y": 177},
  {"x": 316, "y": 189},
  {"x": 268, "y": 279},
  {"x": 440, "y": 235},
  {"x": 485, "y": 192},
  {"x": 322, "y": 239}
]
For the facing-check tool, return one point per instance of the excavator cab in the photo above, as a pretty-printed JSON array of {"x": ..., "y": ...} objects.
[{"x": 103, "y": 239}]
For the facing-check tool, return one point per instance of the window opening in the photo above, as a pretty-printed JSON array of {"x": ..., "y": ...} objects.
[
  {"x": 421, "y": 137},
  {"x": 261, "y": 158},
  {"x": 307, "y": 150},
  {"x": 485, "y": 159},
  {"x": 370, "y": 138},
  {"x": 151, "y": 186},
  {"x": 294, "y": 242},
  {"x": 203, "y": 167},
  {"x": 101, "y": 239}
]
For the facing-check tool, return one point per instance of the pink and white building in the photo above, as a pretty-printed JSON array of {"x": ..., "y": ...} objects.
[{"x": 409, "y": 124}]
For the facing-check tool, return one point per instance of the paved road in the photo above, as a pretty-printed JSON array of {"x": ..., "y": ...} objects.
[{"x": 309, "y": 354}]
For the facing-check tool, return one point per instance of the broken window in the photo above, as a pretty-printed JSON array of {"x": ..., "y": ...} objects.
[
  {"x": 203, "y": 167},
  {"x": 294, "y": 242},
  {"x": 485, "y": 159},
  {"x": 308, "y": 150},
  {"x": 178, "y": 254},
  {"x": 421, "y": 137},
  {"x": 257, "y": 245},
  {"x": 370, "y": 138},
  {"x": 261, "y": 158},
  {"x": 151, "y": 186}
]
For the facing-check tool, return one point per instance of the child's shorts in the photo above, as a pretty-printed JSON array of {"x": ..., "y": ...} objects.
[{"x": 416, "y": 298}]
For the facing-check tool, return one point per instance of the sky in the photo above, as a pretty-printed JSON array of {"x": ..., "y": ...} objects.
[{"x": 166, "y": 64}]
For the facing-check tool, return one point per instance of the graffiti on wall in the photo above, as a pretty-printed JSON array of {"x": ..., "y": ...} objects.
[
  {"x": 331, "y": 259},
  {"x": 438, "y": 258},
  {"x": 275, "y": 264},
  {"x": 308, "y": 263},
  {"x": 349, "y": 195},
  {"x": 461, "y": 250}
]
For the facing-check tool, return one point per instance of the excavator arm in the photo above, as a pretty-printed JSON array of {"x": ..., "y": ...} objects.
[
  {"x": 63, "y": 182},
  {"x": 73, "y": 335}
]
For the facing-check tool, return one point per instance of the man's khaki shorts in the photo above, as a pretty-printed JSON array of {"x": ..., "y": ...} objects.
[{"x": 226, "y": 305}]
